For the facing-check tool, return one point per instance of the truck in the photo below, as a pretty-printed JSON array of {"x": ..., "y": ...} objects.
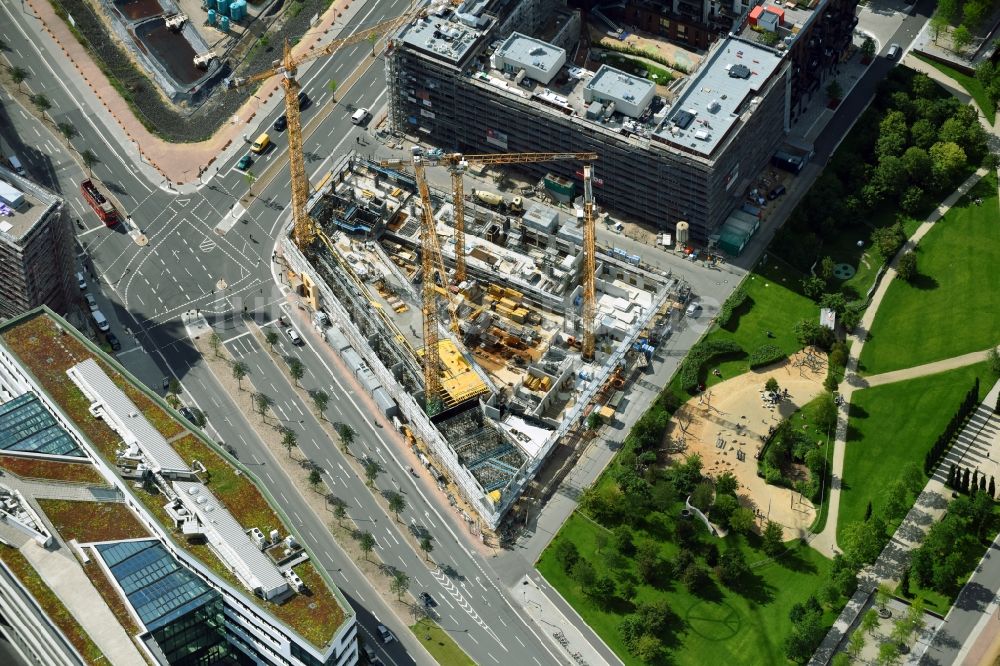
[
  {"x": 104, "y": 208},
  {"x": 516, "y": 204}
]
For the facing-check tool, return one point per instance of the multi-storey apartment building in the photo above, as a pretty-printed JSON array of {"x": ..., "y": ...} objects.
[{"x": 36, "y": 248}]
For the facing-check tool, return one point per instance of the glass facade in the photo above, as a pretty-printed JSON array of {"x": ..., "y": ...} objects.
[
  {"x": 26, "y": 425},
  {"x": 183, "y": 614}
]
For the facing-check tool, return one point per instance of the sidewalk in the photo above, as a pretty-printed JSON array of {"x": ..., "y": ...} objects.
[
  {"x": 922, "y": 370},
  {"x": 826, "y": 541},
  {"x": 178, "y": 163}
]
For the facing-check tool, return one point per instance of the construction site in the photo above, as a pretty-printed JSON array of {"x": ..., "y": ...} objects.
[{"x": 490, "y": 357}]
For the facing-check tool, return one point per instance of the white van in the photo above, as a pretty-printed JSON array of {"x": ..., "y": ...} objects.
[
  {"x": 360, "y": 116},
  {"x": 101, "y": 321},
  {"x": 16, "y": 165}
]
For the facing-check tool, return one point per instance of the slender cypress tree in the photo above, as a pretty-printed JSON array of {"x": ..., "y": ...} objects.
[
  {"x": 992, "y": 490},
  {"x": 951, "y": 476},
  {"x": 965, "y": 480},
  {"x": 975, "y": 481},
  {"x": 982, "y": 483}
]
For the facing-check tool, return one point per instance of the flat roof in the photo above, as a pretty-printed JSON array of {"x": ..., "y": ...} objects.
[
  {"x": 125, "y": 417},
  {"x": 619, "y": 85},
  {"x": 441, "y": 37},
  {"x": 531, "y": 52},
  {"x": 229, "y": 539},
  {"x": 37, "y": 203},
  {"x": 717, "y": 95}
]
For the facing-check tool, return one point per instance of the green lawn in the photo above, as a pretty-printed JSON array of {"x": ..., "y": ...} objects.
[
  {"x": 773, "y": 304},
  {"x": 725, "y": 627},
  {"x": 441, "y": 646},
  {"x": 953, "y": 305},
  {"x": 896, "y": 424},
  {"x": 971, "y": 85}
]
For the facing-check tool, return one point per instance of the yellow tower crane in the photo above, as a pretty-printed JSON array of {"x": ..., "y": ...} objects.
[
  {"x": 305, "y": 228},
  {"x": 589, "y": 264},
  {"x": 458, "y": 164}
]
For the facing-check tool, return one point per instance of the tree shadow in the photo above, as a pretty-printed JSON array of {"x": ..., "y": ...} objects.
[
  {"x": 754, "y": 588},
  {"x": 924, "y": 282}
]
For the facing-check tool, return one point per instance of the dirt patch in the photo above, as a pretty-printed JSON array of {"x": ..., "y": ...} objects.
[{"x": 732, "y": 417}]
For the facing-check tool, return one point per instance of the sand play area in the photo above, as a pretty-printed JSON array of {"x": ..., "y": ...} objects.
[{"x": 725, "y": 426}]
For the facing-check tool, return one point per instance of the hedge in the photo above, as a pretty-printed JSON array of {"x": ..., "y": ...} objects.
[
  {"x": 689, "y": 373},
  {"x": 733, "y": 303},
  {"x": 765, "y": 355}
]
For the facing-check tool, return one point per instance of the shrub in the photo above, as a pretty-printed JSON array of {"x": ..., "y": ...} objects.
[
  {"x": 765, "y": 355},
  {"x": 691, "y": 369},
  {"x": 735, "y": 301}
]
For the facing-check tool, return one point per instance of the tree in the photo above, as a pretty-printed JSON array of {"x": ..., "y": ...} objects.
[
  {"x": 888, "y": 653},
  {"x": 722, "y": 509},
  {"x": 288, "y": 439},
  {"x": 315, "y": 478},
  {"x": 702, "y": 495},
  {"x": 948, "y": 160},
  {"x": 372, "y": 470},
  {"x": 813, "y": 286},
  {"x": 173, "y": 400},
  {"x": 992, "y": 489},
  {"x": 912, "y": 199},
  {"x": 726, "y": 484},
  {"x": 774, "y": 538},
  {"x": 340, "y": 512},
  {"x": 809, "y": 332},
  {"x": 895, "y": 498},
  {"x": 974, "y": 13},
  {"x": 742, "y": 520},
  {"x": 68, "y": 130},
  {"x": 18, "y": 75},
  {"x": 906, "y": 267},
  {"x": 960, "y": 38},
  {"x": 917, "y": 163},
  {"x": 869, "y": 621},
  {"x": 320, "y": 400},
  {"x": 426, "y": 545},
  {"x": 250, "y": 177},
  {"x": 89, "y": 159},
  {"x": 993, "y": 360},
  {"x": 732, "y": 567},
  {"x": 888, "y": 240},
  {"x": 893, "y": 135},
  {"x": 938, "y": 24},
  {"x": 647, "y": 560},
  {"x": 366, "y": 542},
  {"x": 263, "y": 403},
  {"x": 397, "y": 504},
  {"x": 827, "y": 268},
  {"x": 856, "y": 644},
  {"x": 594, "y": 421},
  {"x": 271, "y": 337},
  {"x": 566, "y": 554},
  {"x": 600, "y": 541},
  {"x": 868, "y": 48},
  {"x": 296, "y": 370},
  {"x": 621, "y": 537},
  {"x": 648, "y": 649},
  {"x": 346, "y": 434},
  {"x": 373, "y": 38},
  {"x": 240, "y": 370},
  {"x": 400, "y": 584},
  {"x": 834, "y": 90},
  {"x": 215, "y": 342},
  {"x": 41, "y": 102},
  {"x": 771, "y": 385},
  {"x": 331, "y": 85}
]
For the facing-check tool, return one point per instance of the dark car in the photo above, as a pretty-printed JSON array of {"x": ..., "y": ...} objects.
[
  {"x": 245, "y": 162},
  {"x": 427, "y": 600},
  {"x": 776, "y": 192},
  {"x": 113, "y": 341},
  {"x": 188, "y": 414},
  {"x": 281, "y": 123},
  {"x": 304, "y": 100}
]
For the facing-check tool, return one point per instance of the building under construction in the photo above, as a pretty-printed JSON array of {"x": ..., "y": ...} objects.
[{"x": 513, "y": 381}]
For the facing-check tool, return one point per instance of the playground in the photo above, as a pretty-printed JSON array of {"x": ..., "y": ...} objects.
[{"x": 727, "y": 424}]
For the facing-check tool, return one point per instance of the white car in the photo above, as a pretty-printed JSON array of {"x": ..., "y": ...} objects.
[
  {"x": 693, "y": 308},
  {"x": 294, "y": 336},
  {"x": 91, "y": 301}
]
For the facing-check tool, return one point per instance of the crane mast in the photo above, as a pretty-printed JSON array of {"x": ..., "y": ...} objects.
[
  {"x": 589, "y": 264},
  {"x": 458, "y": 189}
]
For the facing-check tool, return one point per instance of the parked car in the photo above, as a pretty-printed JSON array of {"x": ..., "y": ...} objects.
[
  {"x": 113, "y": 341},
  {"x": 386, "y": 635},
  {"x": 245, "y": 162},
  {"x": 693, "y": 308},
  {"x": 427, "y": 600},
  {"x": 304, "y": 100},
  {"x": 81, "y": 281},
  {"x": 281, "y": 124},
  {"x": 294, "y": 336},
  {"x": 776, "y": 192},
  {"x": 894, "y": 51},
  {"x": 91, "y": 301}
]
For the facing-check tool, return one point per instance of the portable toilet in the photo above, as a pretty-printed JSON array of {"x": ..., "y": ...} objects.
[
  {"x": 238, "y": 10},
  {"x": 211, "y": 17},
  {"x": 225, "y": 24}
]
